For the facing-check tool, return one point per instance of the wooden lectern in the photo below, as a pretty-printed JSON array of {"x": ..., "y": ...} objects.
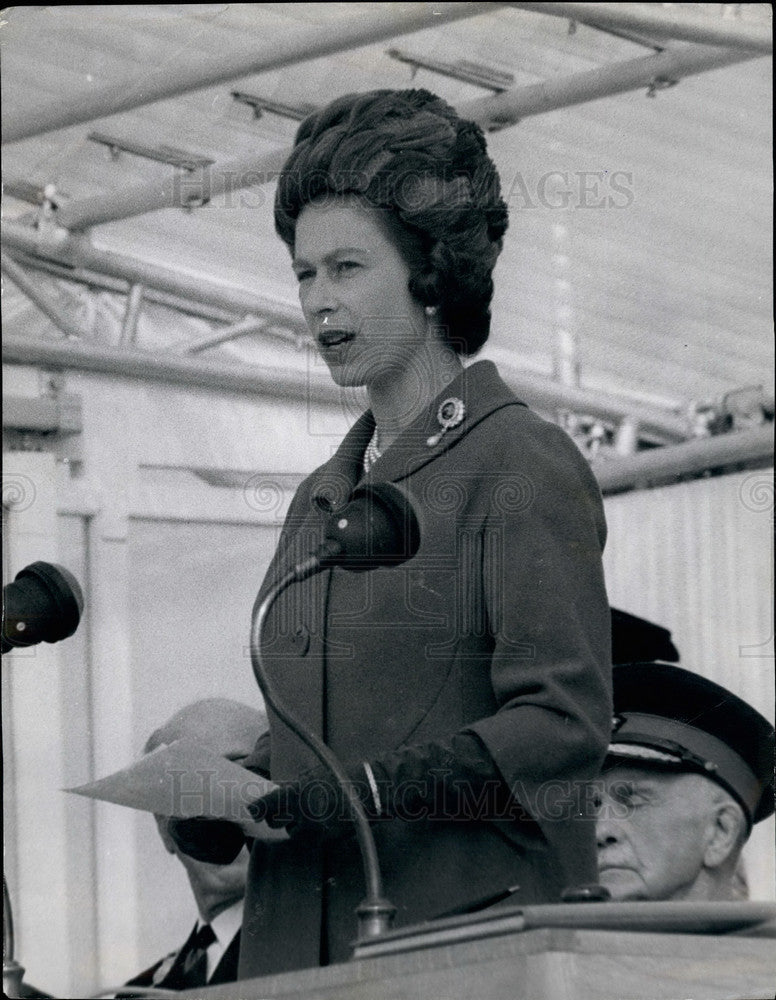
[{"x": 578, "y": 951}]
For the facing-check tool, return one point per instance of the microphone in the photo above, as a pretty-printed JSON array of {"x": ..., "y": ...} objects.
[
  {"x": 42, "y": 604},
  {"x": 377, "y": 528}
]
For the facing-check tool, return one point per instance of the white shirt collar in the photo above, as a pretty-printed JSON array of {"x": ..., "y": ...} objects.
[{"x": 225, "y": 926}]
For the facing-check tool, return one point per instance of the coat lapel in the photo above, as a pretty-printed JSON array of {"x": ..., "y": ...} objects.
[{"x": 481, "y": 390}]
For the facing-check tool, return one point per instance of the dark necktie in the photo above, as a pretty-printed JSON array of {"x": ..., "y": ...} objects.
[{"x": 190, "y": 968}]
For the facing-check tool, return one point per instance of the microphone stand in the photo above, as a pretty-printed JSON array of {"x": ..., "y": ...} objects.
[{"x": 375, "y": 912}]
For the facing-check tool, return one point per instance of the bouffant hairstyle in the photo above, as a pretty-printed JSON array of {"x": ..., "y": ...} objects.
[{"x": 408, "y": 154}]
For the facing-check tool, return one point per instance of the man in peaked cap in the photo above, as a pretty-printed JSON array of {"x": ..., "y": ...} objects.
[{"x": 689, "y": 770}]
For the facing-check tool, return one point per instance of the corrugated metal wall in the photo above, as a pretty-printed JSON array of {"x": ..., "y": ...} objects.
[{"x": 698, "y": 558}]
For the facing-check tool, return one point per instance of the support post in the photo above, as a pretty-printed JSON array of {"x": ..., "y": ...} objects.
[{"x": 132, "y": 315}]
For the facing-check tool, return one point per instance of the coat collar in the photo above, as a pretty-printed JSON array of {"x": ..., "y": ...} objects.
[{"x": 481, "y": 390}]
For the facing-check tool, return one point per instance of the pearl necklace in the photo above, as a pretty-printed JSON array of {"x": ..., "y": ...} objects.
[{"x": 372, "y": 452}]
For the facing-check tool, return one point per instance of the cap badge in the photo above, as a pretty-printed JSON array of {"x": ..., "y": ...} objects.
[{"x": 449, "y": 415}]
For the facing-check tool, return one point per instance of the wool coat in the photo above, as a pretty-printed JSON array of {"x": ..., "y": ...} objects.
[{"x": 499, "y": 627}]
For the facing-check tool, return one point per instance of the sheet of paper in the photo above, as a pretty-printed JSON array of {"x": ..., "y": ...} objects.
[{"x": 183, "y": 779}]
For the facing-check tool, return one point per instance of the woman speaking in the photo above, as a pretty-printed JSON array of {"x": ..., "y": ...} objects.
[{"x": 466, "y": 691}]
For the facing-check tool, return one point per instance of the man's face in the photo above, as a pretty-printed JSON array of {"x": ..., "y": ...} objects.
[
  {"x": 220, "y": 883},
  {"x": 652, "y": 828},
  {"x": 213, "y": 883}
]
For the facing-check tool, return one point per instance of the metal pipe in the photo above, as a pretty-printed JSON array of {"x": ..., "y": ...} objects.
[
  {"x": 82, "y": 276},
  {"x": 497, "y": 111},
  {"x": 133, "y": 364},
  {"x": 79, "y": 251},
  {"x": 132, "y": 314},
  {"x": 291, "y": 383},
  {"x": 626, "y": 440},
  {"x": 649, "y": 467},
  {"x": 376, "y": 912},
  {"x": 379, "y": 22},
  {"x": 121, "y": 287},
  {"x": 549, "y": 395},
  {"x": 251, "y": 324},
  {"x": 665, "y": 21},
  {"x": 539, "y": 390},
  {"x": 39, "y": 298},
  {"x": 180, "y": 190}
]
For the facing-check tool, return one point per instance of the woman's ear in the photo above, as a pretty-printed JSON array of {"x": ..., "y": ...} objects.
[{"x": 726, "y": 834}]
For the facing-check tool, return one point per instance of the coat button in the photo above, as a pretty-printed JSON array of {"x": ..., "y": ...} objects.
[{"x": 300, "y": 640}]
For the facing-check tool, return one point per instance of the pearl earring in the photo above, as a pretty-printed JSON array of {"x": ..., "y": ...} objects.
[{"x": 431, "y": 310}]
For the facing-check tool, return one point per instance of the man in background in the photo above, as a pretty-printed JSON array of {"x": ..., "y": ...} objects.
[
  {"x": 689, "y": 770},
  {"x": 210, "y": 954}
]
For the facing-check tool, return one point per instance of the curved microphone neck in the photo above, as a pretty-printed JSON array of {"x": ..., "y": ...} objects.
[{"x": 375, "y": 913}]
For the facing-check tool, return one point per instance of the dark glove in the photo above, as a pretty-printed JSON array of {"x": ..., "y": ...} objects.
[
  {"x": 438, "y": 781},
  {"x": 216, "y": 841},
  {"x": 444, "y": 781},
  {"x": 316, "y": 803}
]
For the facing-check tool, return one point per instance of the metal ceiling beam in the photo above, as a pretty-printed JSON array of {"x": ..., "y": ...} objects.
[
  {"x": 171, "y": 369},
  {"x": 550, "y": 396},
  {"x": 102, "y": 282},
  {"x": 670, "y": 66},
  {"x": 78, "y": 251},
  {"x": 44, "y": 302},
  {"x": 691, "y": 457},
  {"x": 540, "y": 392},
  {"x": 666, "y": 21},
  {"x": 380, "y": 22},
  {"x": 493, "y": 111},
  {"x": 92, "y": 279},
  {"x": 615, "y": 474},
  {"x": 189, "y": 190},
  {"x": 244, "y": 328}
]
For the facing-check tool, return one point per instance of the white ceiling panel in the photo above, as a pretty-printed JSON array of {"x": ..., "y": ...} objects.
[{"x": 642, "y": 225}]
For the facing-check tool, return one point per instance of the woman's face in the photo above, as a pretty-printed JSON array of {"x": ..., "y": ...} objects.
[{"x": 353, "y": 287}]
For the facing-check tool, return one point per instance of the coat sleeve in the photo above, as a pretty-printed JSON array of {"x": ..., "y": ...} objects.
[{"x": 549, "y": 615}]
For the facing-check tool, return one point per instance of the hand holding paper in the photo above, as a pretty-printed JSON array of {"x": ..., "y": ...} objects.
[{"x": 184, "y": 779}]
